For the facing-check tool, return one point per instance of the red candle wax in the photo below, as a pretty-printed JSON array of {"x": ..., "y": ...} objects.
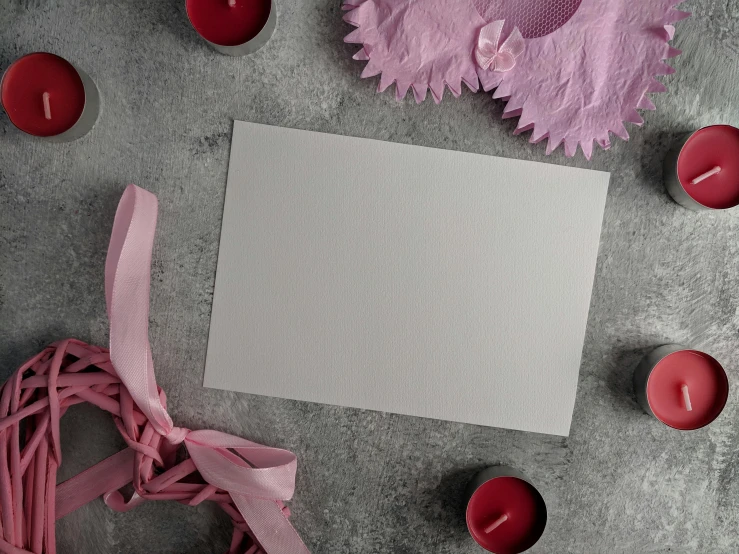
[
  {"x": 707, "y": 148},
  {"x": 512, "y": 497},
  {"x": 226, "y": 25},
  {"x": 22, "y": 94},
  {"x": 707, "y": 384}
]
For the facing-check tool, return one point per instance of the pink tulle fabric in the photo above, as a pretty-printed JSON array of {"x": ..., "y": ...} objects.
[
  {"x": 162, "y": 461},
  {"x": 586, "y": 68}
]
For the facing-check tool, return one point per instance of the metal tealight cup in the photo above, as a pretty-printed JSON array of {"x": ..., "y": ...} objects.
[
  {"x": 250, "y": 46},
  {"x": 644, "y": 370},
  {"x": 494, "y": 472},
  {"x": 87, "y": 118},
  {"x": 675, "y": 188}
]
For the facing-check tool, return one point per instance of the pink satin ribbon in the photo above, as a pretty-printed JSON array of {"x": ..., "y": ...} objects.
[
  {"x": 256, "y": 477},
  {"x": 500, "y": 58}
]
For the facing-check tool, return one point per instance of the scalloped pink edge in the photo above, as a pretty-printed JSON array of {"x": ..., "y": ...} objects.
[
  {"x": 420, "y": 90},
  {"x": 511, "y": 110}
]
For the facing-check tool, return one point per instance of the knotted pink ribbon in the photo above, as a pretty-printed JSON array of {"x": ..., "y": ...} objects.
[
  {"x": 489, "y": 54},
  {"x": 256, "y": 477}
]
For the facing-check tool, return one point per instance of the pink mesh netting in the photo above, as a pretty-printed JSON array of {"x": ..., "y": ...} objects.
[{"x": 534, "y": 18}]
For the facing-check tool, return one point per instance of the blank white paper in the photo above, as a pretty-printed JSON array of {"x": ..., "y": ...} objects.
[{"x": 405, "y": 279}]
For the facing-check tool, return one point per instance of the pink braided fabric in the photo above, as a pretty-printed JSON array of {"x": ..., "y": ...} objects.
[{"x": 248, "y": 480}]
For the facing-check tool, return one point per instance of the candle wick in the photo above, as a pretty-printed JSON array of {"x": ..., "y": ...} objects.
[
  {"x": 47, "y": 105},
  {"x": 497, "y": 523},
  {"x": 703, "y": 176},
  {"x": 686, "y": 398}
]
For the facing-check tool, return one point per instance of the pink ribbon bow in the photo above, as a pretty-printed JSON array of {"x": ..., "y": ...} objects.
[
  {"x": 503, "y": 58},
  {"x": 256, "y": 477}
]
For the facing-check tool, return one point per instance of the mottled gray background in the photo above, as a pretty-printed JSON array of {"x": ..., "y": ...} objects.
[{"x": 367, "y": 482}]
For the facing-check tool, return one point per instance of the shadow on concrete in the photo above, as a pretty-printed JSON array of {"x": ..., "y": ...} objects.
[
  {"x": 444, "y": 507},
  {"x": 619, "y": 379},
  {"x": 657, "y": 143}
]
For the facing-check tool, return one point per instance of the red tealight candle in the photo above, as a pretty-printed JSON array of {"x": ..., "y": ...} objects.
[
  {"x": 702, "y": 173},
  {"x": 684, "y": 389},
  {"x": 505, "y": 512},
  {"x": 233, "y": 27},
  {"x": 46, "y": 96}
]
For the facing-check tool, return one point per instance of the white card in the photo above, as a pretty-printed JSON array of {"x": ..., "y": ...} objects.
[{"x": 405, "y": 279}]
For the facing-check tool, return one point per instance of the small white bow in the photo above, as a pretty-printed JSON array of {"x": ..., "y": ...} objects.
[{"x": 489, "y": 55}]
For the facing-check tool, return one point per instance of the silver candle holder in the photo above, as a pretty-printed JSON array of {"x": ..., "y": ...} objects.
[
  {"x": 644, "y": 371},
  {"x": 251, "y": 45},
  {"x": 675, "y": 187},
  {"x": 479, "y": 533},
  {"x": 87, "y": 118}
]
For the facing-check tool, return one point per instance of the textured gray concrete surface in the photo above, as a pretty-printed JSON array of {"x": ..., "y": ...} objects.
[{"x": 367, "y": 482}]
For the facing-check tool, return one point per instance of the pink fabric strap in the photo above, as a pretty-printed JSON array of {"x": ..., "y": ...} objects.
[
  {"x": 110, "y": 474},
  {"x": 257, "y": 477},
  {"x": 127, "y": 279}
]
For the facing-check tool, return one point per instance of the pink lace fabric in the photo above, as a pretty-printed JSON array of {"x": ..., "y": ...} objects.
[
  {"x": 533, "y": 17},
  {"x": 586, "y": 68},
  {"x": 247, "y": 480}
]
